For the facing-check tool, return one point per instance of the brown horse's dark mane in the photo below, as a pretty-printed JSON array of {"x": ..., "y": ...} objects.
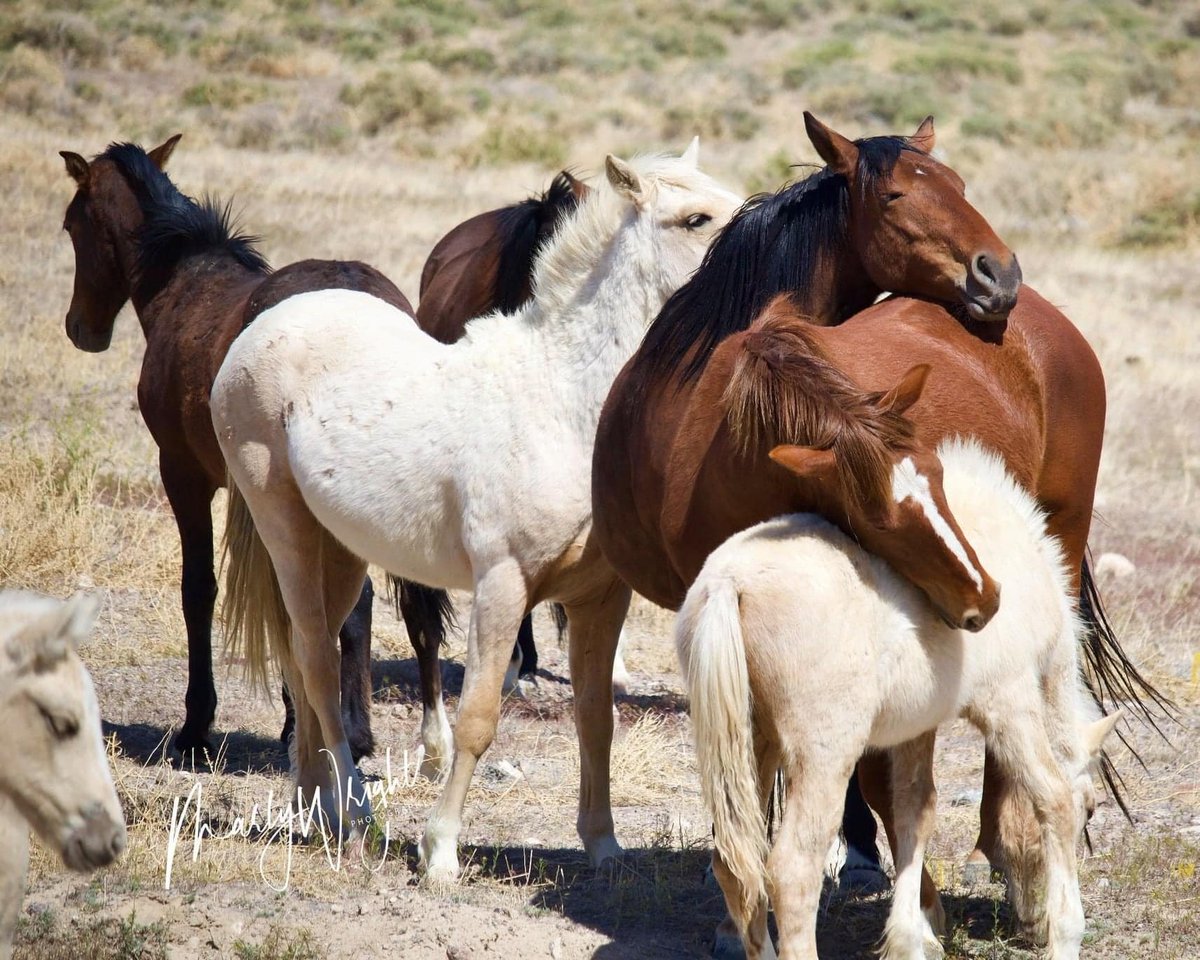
[
  {"x": 776, "y": 243},
  {"x": 785, "y": 390},
  {"x": 176, "y": 226},
  {"x": 521, "y": 236}
]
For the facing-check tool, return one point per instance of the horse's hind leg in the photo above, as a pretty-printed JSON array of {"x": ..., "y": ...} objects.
[
  {"x": 190, "y": 495},
  {"x": 861, "y": 871},
  {"x": 593, "y": 633},
  {"x": 423, "y": 610},
  {"x": 908, "y": 934},
  {"x": 501, "y": 597},
  {"x": 875, "y": 778},
  {"x": 355, "y": 636}
]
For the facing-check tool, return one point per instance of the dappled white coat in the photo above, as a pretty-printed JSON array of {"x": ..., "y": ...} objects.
[{"x": 437, "y": 461}]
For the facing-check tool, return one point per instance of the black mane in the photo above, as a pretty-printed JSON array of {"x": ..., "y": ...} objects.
[
  {"x": 774, "y": 244},
  {"x": 177, "y": 226},
  {"x": 521, "y": 234}
]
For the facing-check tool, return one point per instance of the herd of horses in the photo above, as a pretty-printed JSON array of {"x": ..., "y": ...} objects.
[{"x": 649, "y": 385}]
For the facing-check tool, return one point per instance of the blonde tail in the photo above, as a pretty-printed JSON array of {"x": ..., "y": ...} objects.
[
  {"x": 256, "y": 620},
  {"x": 712, "y": 655}
]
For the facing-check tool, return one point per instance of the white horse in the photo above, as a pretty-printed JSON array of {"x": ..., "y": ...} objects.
[
  {"x": 801, "y": 650},
  {"x": 54, "y": 774},
  {"x": 351, "y": 436}
]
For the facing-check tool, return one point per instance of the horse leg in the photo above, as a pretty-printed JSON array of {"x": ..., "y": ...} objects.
[
  {"x": 14, "y": 863},
  {"x": 529, "y": 654},
  {"x": 501, "y": 598},
  {"x": 423, "y": 621},
  {"x": 986, "y": 855},
  {"x": 874, "y": 776},
  {"x": 1048, "y": 905},
  {"x": 621, "y": 678},
  {"x": 908, "y": 934},
  {"x": 190, "y": 494},
  {"x": 751, "y": 938},
  {"x": 355, "y": 636},
  {"x": 796, "y": 863},
  {"x": 594, "y": 627},
  {"x": 862, "y": 871}
]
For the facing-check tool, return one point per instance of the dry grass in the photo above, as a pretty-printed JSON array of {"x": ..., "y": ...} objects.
[{"x": 365, "y": 130}]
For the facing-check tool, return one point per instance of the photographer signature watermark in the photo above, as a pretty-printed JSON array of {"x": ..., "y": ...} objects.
[{"x": 291, "y": 817}]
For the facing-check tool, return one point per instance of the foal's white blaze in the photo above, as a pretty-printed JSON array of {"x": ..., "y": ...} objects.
[{"x": 908, "y": 482}]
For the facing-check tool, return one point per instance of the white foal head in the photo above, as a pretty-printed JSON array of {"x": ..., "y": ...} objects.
[
  {"x": 677, "y": 211},
  {"x": 52, "y": 760}
]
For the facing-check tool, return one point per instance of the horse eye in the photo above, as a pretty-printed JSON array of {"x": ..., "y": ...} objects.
[
  {"x": 893, "y": 196},
  {"x": 697, "y": 220},
  {"x": 61, "y": 726}
]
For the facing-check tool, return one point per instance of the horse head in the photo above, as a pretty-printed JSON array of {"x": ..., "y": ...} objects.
[
  {"x": 101, "y": 220},
  {"x": 52, "y": 760},
  {"x": 913, "y": 228},
  {"x": 887, "y": 486},
  {"x": 678, "y": 210}
]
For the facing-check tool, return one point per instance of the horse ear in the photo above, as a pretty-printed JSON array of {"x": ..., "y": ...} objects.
[
  {"x": 624, "y": 178},
  {"x": 839, "y": 153},
  {"x": 81, "y": 612},
  {"x": 807, "y": 462},
  {"x": 924, "y": 139},
  {"x": 77, "y": 167},
  {"x": 691, "y": 156},
  {"x": 1096, "y": 733},
  {"x": 908, "y": 391},
  {"x": 162, "y": 153}
]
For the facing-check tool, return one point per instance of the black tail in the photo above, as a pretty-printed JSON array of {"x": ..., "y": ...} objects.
[
  {"x": 426, "y": 611},
  {"x": 1111, "y": 675},
  {"x": 560, "y": 620}
]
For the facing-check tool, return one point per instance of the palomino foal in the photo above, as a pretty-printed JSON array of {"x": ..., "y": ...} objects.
[
  {"x": 474, "y": 473},
  {"x": 54, "y": 775},
  {"x": 801, "y": 650}
]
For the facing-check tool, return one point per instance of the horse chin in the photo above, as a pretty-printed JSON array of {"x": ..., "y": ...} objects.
[
  {"x": 95, "y": 844},
  {"x": 89, "y": 341},
  {"x": 978, "y": 312}
]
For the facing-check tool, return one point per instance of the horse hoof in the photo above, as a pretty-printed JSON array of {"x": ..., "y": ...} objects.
[
  {"x": 604, "y": 851},
  {"x": 188, "y": 743},
  {"x": 977, "y": 873},
  {"x": 361, "y": 746},
  {"x": 728, "y": 946},
  {"x": 863, "y": 879}
]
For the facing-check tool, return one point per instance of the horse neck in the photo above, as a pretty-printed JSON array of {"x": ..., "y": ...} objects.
[{"x": 592, "y": 301}]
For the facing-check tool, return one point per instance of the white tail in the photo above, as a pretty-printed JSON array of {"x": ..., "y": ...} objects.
[{"x": 712, "y": 655}]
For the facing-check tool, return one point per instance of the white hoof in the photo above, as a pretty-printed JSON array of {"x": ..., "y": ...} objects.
[
  {"x": 438, "y": 862},
  {"x": 604, "y": 849}
]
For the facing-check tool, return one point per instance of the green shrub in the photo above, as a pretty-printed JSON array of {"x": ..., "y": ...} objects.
[
  {"x": 807, "y": 61},
  {"x": 411, "y": 94}
]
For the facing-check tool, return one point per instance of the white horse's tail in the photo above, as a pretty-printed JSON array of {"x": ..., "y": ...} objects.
[
  {"x": 256, "y": 620},
  {"x": 712, "y": 655}
]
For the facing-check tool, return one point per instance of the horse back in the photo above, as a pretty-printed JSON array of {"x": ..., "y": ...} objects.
[{"x": 305, "y": 276}]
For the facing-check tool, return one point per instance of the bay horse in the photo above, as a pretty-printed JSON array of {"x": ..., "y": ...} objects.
[
  {"x": 882, "y": 215},
  {"x": 482, "y": 265},
  {"x": 754, "y": 638},
  {"x": 352, "y": 436},
  {"x": 194, "y": 283},
  {"x": 54, "y": 774}
]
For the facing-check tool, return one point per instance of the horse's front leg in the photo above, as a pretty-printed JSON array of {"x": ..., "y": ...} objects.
[
  {"x": 501, "y": 597},
  {"x": 594, "y": 629},
  {"x": 190, "y": 495},
  {"x": 909, "y": 933}
]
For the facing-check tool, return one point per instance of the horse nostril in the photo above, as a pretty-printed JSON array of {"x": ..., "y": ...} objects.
[{"x": 983, "y": 268}]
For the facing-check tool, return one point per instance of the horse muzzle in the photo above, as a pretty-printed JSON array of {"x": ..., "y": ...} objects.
[
  {"x": 96, "y": 843},
  {"x": 989, "y": 291},
  {"x": 85, "y": 339}
]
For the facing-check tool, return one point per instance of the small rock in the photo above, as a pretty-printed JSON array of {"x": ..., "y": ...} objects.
[
  {"x": 501, "y": 773},
  {"x": 556, "y": 949},
  {"x": 1114, "y": 565},
  {"x": 336, "y": 908},
  {"x": 1103, "y": 883},
  {"x": 967, "y": 798},
  {"x": 457, "y": 953}
]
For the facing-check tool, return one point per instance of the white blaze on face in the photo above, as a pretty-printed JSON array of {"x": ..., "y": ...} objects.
[
  {"x": 907, "y": 482},
  {"x": 921, "y": 173}
]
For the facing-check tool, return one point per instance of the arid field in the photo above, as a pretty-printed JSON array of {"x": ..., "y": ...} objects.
[{"x": 365, "y": 129}]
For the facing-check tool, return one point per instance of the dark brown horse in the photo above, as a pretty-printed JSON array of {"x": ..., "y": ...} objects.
[
  {"x": 483, "y": 264},
  {"x": 194, "y": 283},
  {"x": 883, "y": 215}
]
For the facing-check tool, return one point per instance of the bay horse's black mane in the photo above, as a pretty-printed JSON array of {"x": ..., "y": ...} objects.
[
  {"x": 521, "y": 236},
  {"x": 774, "y": 244},
  {"x": 177, "y": 226}
]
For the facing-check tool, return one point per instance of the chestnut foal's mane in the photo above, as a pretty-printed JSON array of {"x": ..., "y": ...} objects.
[{"x": 785, "y": 390}]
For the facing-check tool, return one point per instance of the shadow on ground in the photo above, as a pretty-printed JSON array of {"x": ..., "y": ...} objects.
[{"x": 237, "y": 751}]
